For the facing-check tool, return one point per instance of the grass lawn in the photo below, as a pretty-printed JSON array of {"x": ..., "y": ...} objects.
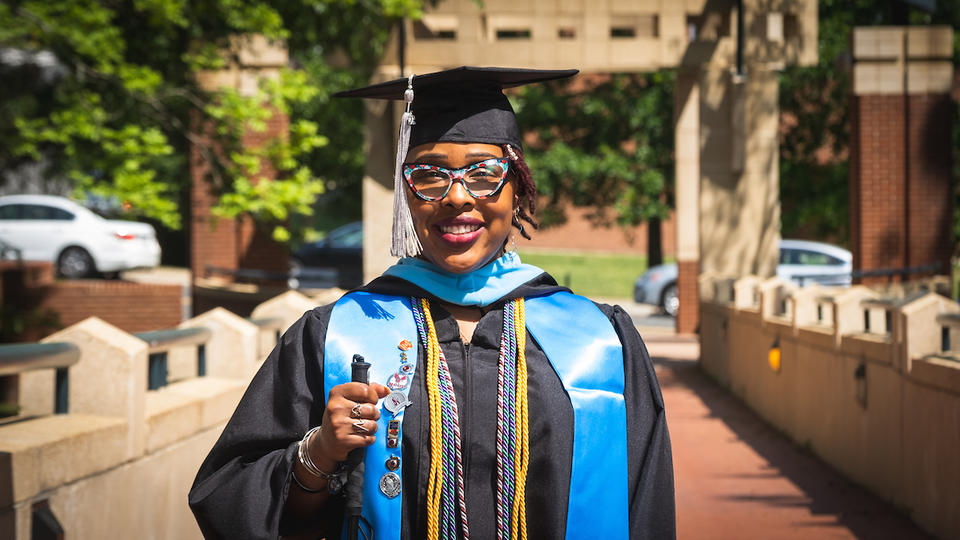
[{"x": 594, "y": 275}]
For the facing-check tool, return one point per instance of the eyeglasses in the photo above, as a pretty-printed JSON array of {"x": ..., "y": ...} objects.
[{"x": 481, "y": 180}]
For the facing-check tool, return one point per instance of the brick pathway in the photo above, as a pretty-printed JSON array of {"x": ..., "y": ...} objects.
[{"x": 738, "y": 478}]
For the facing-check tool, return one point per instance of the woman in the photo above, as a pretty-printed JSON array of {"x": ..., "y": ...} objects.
[{"x": 499, "y": 404}]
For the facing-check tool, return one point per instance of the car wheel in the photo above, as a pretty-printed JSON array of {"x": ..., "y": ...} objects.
[
  {"x": 293, "y": 276},
  {"x": 75, "y": 262},
  {"x": 670, "y": 300}
]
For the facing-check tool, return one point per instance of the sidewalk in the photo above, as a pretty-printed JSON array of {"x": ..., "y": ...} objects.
[{"x": 738, "y": 478}]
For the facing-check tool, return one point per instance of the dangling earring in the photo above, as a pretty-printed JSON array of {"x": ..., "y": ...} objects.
[{"x": 513, "y": 243}]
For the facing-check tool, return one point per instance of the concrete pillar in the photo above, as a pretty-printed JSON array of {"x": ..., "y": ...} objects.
[
  {"x": 232, "y": 351},
  {"x": 380, "y": 149},
  {"x": 109, "y": 380},
  {"x": 687, "y": 170},
  {"x": 900, "y": 179},
  {"x": 288, "y": 307}
]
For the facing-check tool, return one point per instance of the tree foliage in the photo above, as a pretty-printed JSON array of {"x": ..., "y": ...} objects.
[
  {"x": 607, "y": 146},
  {"x": 104, "y": 93}
]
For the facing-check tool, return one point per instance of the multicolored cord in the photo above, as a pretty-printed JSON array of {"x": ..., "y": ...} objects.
[{"x": 445, "y": 491}]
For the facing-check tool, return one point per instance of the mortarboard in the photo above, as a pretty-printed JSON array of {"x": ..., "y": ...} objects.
[{"x": 464, "y": 104}]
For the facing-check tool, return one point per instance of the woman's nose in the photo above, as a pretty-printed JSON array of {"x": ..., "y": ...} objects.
[{"x": 458, "y": 196}]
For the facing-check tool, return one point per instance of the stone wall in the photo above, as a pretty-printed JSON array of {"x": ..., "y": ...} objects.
[
  {"x": 119, "y": 464},
  {"x": 862, "y": 380}
]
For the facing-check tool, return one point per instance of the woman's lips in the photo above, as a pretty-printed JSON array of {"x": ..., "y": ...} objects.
[{"x": 459, "y": 231}]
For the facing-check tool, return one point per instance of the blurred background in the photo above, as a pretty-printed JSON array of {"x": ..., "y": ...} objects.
[{"x": 767, "y": 186}]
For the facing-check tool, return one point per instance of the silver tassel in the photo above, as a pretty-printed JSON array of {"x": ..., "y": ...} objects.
[{"x": 404, "y": 242}]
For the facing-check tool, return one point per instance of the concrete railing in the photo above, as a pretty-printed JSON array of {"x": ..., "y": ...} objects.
[
  {"x": 122, "y": 446},
  {"x": 868, "y": 379}
]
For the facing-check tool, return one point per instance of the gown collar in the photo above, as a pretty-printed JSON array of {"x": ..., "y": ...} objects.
[{"x": 480, "y": 287}]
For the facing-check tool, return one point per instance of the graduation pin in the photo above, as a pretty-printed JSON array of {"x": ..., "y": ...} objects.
[
  {"x": 393, "y": 463},
  {"x": 393, "y": 434},
  {"x": 396, "y": 402},
  {"x": 390, "y": 484}
]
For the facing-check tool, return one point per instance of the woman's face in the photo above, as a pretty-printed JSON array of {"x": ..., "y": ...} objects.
[{"x": 460, "y": 233}]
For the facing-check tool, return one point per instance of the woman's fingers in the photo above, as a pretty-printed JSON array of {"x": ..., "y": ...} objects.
[{"x": 350, "y": 418}]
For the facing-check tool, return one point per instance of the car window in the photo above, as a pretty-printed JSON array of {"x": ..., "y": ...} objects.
[
  {"x": 10, "y": 211},
  {"x": 810, "y": 258},
  {"x": 349, "y": 239},
  {"x": 37, "y": 211},
  {"x": 786, "y": 255}
]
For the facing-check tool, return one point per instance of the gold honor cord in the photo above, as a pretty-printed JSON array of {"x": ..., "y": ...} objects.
[
  {"x": 522, "y": 456},
  {"x": 435, "y": 480}
]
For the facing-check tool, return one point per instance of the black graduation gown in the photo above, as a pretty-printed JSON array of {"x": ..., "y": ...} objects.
[{"x": 242, "y": 485}]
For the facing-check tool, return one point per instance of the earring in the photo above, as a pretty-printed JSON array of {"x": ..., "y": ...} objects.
[{"x": 513, "y": 243}]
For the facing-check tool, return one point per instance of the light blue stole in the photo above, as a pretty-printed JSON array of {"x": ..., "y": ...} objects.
[{"x": 584, "y": 350}]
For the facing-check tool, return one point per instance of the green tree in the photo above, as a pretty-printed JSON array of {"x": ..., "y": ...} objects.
[
  {"x": 114, "y": 111},
  {"x": 608, "y": 146}
]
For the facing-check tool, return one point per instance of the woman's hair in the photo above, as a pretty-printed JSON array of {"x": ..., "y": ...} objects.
[{"x": 526, "y": 190}]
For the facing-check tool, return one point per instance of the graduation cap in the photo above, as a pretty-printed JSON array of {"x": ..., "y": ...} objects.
[{"x": 464, "y": 104}]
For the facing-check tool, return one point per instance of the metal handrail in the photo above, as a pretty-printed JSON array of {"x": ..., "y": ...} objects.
[
  {"x": 162, "y": 340},
  {"x": 949, "y": 319},
  {"x": 267, "y": 322},
  {"x": 890, "y": 302},
  {"x": 20, "y": 357}
]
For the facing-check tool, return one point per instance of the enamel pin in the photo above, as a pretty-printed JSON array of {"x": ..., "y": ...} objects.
[
  {"x": 398, "y": 381},
  {"x": 396, "y": 402},
  {"x": 393, "y": 434}
]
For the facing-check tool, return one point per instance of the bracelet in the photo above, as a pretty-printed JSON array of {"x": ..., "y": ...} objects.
[
  {"x": 293, "y": 473},
  {"x": 304, "y": 455}
]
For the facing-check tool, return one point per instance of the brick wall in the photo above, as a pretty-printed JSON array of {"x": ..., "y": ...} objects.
[
  {"x": 688, "y": 313},
  {"x": 578, "y": 233},
  {"x": 877, "y": 183},
  {"x": 228, "y": 243},
  {"x": 900, "y": 197},
  {"x": 132, "y": 307},
  {"x": 212, "y": 241},
  {"x": 930, "y": 208}
]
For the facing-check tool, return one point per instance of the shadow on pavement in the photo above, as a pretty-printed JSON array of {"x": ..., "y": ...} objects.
[{"x": 825, "y": 492}]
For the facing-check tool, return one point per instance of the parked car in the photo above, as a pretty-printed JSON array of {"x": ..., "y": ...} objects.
[
  {"x": 801, "y": 261},
  {"x": 79, "y": 242},
  {"x": 341, "y": 250}
]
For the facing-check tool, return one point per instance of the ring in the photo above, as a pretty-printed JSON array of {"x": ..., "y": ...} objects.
[
  {"x": 358, "y": 427},
  {"x": 355, "y": 411}
]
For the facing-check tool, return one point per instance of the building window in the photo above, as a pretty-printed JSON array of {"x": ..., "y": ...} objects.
[
  {"x": 513, "y": 33},
  {"x": 423, "y": 30},
  {"x": 567, "y": 32},
  {"x": 634, "y": 26}
]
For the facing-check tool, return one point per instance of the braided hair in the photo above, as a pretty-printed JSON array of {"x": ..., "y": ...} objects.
[{"x": 526, "y": 190}]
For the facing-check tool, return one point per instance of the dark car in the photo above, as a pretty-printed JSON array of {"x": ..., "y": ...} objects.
[{"x": 341, "y": 251}]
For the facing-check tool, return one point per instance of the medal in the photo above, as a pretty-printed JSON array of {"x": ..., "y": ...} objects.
[
  {"x": 405, "y": 345},
  {"x": 393, "y": 463},
  {"x": 390, "y": 484},
  {"x": 396, "y": 402}
]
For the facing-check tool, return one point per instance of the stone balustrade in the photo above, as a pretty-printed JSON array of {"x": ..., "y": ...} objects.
[
  {"x": 119, "y": 464},
  {"x": 868, "y": 379}
]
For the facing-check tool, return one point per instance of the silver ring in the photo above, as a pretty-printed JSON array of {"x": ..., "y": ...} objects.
[
  {"x": 355, "y": 411},
  {"x": 358, "y": 427}
]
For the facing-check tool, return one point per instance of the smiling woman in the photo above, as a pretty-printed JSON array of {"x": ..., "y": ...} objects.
[{"x": 499, "y": 404}]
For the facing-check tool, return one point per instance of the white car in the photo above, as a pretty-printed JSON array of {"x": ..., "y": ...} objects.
[
  {"x": 79, "y": 242},
  {"x": 802, "y": 261}
]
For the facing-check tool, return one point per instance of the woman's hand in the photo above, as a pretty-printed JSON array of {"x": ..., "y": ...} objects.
[{"x": 349, "y": 421}]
